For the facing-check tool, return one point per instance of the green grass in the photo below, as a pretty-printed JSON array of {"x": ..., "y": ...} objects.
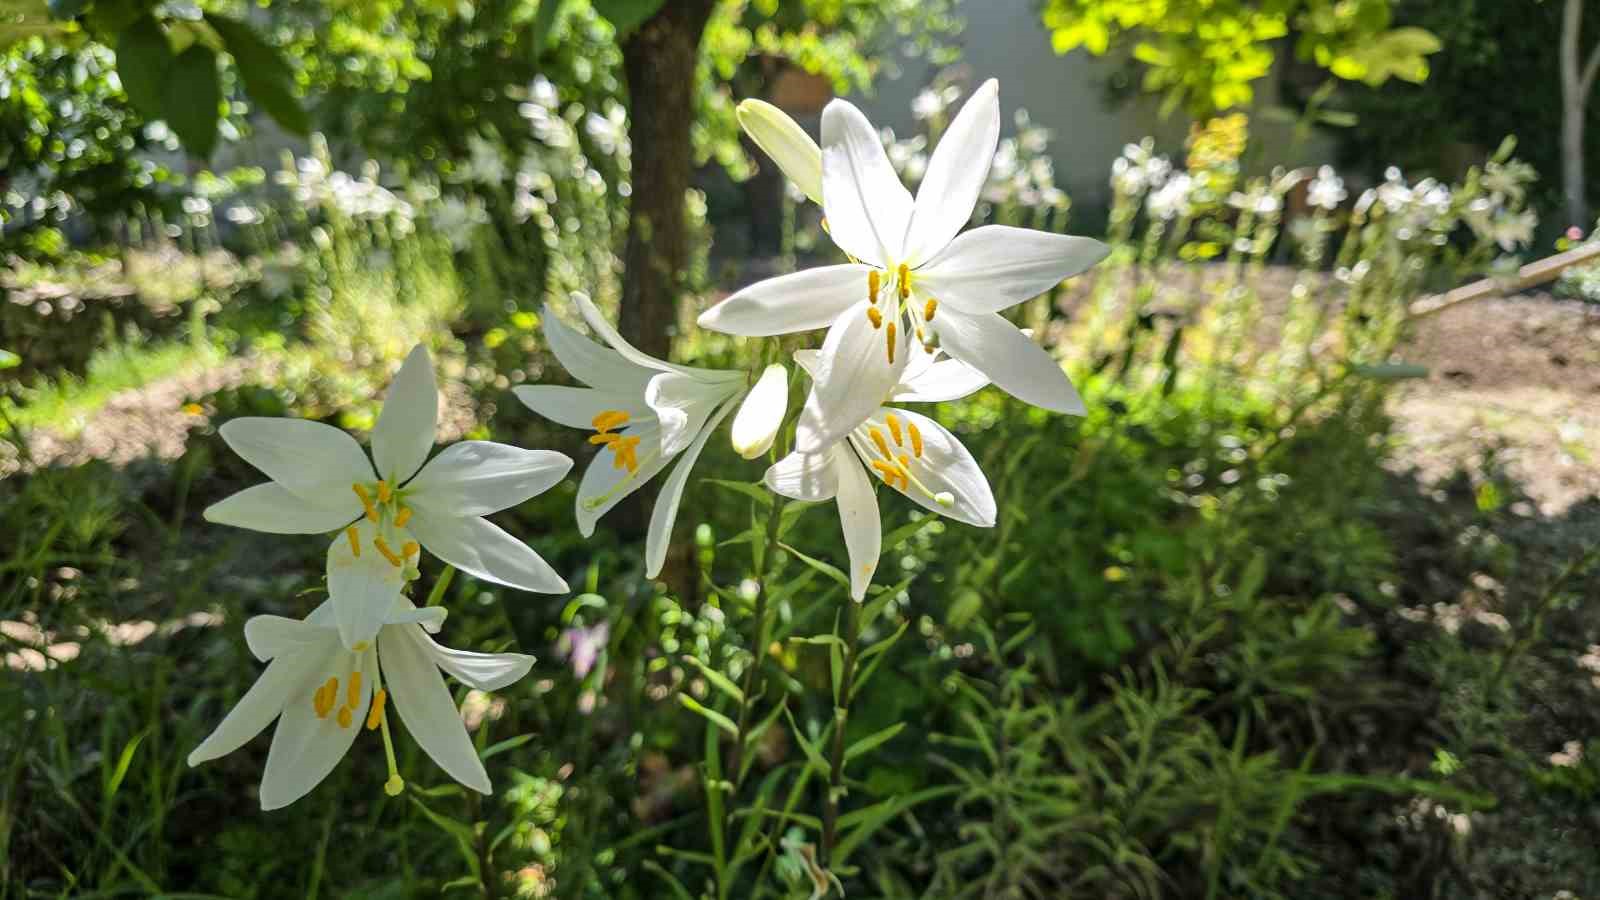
[{"x": 65, "y": 402}]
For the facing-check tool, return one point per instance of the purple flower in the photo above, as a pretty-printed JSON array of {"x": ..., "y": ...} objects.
[{"x": 581, "y": 646}]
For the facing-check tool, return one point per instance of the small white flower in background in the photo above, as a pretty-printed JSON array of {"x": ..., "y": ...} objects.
[
  {"x": 1172, "y": 198},
  {"x": 456, "y": 218},
  {"x": 915, "y": 282},
  {"x": 486, "y": 161},
  {"x": 388, "y": 509},
  {"x": 323, "y": 694},
  {"x": 1259, "y": 202},
  {"x": 1326, "y": 191},
  {"x": 909, "y": 452},
  {"x": 1139, "y": 168},
  {"x": 645, "y": 413}
]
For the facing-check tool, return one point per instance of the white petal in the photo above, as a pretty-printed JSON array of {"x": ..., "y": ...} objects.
[
  {"x": 404, "y": 612},
  {"x": 666, "y": 508},
  {"x": 363, "y": 587},
  {"x": 481, "y": 549},
  {"x": 782, "y": 139},
  {"x": 809, "y": 360},
  {"x": 994, "y": 267},
  {"x": 404, "y": 433},
  {"x": 804, "y": 476},
  {"x": 956, "y": 174},
  {"x": 305, "y": 748},
  {"x": 866, "y": 205},
  {"x": 681, "y": 404},
  {"x": 1014, "y": 363},
  {"x": 475, "y": 478},
  {"x": 271, "y": 508},
  {"x": 853, "y": 379},
  {"x": 945, "y": 467},
  {"x": 800, "y": 301},
  {"x": 610, "y": 335},
  {"x": 593, "y": 364},
  {"x": 317, "y": 463},
  {"x": 858, "y": 516},
  {"x": 932, "y": 378},
  {"x": 576, "y": 407},
  {"x": 273, "y": 636},
  {"x": 761, "y": 414},
  {"x": 418, "y": 693},
  {"x": 604, "y": 485},
  {"x": 484, "y": 671},
  {"x": 253, "y": 713}
]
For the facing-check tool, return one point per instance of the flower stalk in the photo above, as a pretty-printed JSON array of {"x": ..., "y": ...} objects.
[{"x": 841, "y": 718}]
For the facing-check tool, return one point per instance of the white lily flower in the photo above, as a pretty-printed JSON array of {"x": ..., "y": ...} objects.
[
  {"x": 393, "y": 506},
  {"x": 644, "y": 411},
  {"x": 911, "y": 275},
  {"x": 909, "y": 452},
  {"x": 323, "y": 693}
]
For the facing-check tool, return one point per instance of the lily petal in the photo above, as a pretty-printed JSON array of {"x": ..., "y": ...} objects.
[
  {"x": 481, "y": 549},
  {"x": 804, "y": 476},
  {"x": 272, "y": 636},
  {"x": 475, "y": 478},
  {"x": 604, "y": 485},
  {"x": 404, "y": 612},
  {"x": 576, "y": 407},
  {"x": 363, "y": 586},
  {"x": 253, "y": 713},
  {"x": 666, "y": 508},
  {"x": 271, "y": 508},
  {"x": 593, "y": 364},
  {"x": 313, "y": 461},
  {"x": 852, "y": 380},
  {"x": 305, "y": 748},
  {"x": 1014, "y": 363},
  {"x": 761, "y": 414},
  {"x": 994, "y": 267},
  {"x": 782, "y": 139},
  {"x": 866, "y": 205},
  {"x": 945, "y": 466},
  {"x": 799, "y": 301},
  {"x": 404, "y": 433},
  {"x": 933, "y": 378},
  {"x": 608, "y": 333},
  {"x": 859, "y": 518},
  {"x": 681, "y": 404},
  {"x": 425, "y": 706},
  {"x": 484, "y": 671},
  {"x": 956, "y": 174}
]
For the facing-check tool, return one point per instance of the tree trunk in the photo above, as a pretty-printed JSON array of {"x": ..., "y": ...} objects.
[
  {"x": 658, "y": 59},
  {"x": 1577, "y": 82}
]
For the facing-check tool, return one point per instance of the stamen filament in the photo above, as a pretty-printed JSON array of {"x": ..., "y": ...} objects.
[{"x": 355, "y": 541}]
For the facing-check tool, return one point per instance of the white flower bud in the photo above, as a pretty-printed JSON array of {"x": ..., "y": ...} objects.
[
  {"x": 782, "y": 138},
  {"x": 761, "y": 414}
]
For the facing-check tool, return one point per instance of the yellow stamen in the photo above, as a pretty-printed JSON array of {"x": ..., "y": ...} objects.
[
  {"x": 905, "y": 462},
  {"x": 877, "y": 438},
  {"x": 875, "y": 316},
  {"x": 609, "y": 419},
  {"x": 366, "y": 502},
  {"x": 889, "y": 471},
  {"x": 410, "y": 549},
  {"x": 891, "y": 343},
  {"x": 383, "y": 547},
  {"x": 376, "y": 712},
  {"x": 352, "y": 693},
  {"x": 402, "y": 517},
  {"x": 905, "y": 281},
  {"x": 625, "y": 450},
  {"x": 604, "y": 438},
  {"x": 874, "y": 282},
  {"x": 894, "y": 428},
  {"x": 384, "y": 491},
  {"x": 344, "y": 717},
  {"x": 929, "y": 308},
  {"x": 322, "y": 700},
  {"x": 916, "y": 438},
  {"x": 355, "y": 541}
]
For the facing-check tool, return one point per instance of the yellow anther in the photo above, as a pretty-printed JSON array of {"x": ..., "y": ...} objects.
[
  {"x": 375, "y": 714},
  {"x": 402, "y": 517},
  {"x": 889, "y": 471},
  {"x": 410, "y": 549},
  {"x": 355, "y": 541},
  {"x": 352, "y": 692},
  {"x": 916, "y": 438},
  {"x": 905, "y": 281},
  {"x": 874, "y": 283},
  {"x": 894, "y": 428},
  {"x": 609, "y": 419},
  {"x": 875, "y": 316},
  {"x": 604, "y": 438},
  {"x": 905, "y": 462},
  {"x": 366, "y": 502},
  {"x": 390, "y": 555},
  {"x": 877, "y": 438},
  {"x": 929, "y": 308},
  {"x": 360, "y": 646},
  {"x": 890, "y": 330},
  {"x": 625, "y": 450},
  {"x": 344, "y": 717},
  {"x": 322, "y": 700},
  {"x": 394, "y": 785},
  {"x": 384, "y": 491}
]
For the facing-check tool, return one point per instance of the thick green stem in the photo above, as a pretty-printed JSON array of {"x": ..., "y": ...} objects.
[
  {"x": 841, "y": 717},
  {"x": 751, "y": 682}
]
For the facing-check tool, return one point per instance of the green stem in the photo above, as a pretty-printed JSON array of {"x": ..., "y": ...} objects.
[
  {"x": 751, "y": 681},
  {"x": 841, "y": 717},
  {"x": 436, "y": 596}
]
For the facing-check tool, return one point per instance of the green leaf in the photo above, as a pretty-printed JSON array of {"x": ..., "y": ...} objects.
[
  {"x": 462, "y": 834},
  {"x": 268, "y": 79},
  {"x": 23, "y": 19},
  {"x": 67, "y": 9},
  {"x": 1391, "y": 371},
  {"x": 820, "y": 566},
  {"x": 866, "y": 744},
  {"x": 543, "y": 23},
  {"x": 190, "y": 98},
  {"x": 9, "y": 360},
  {"x": 143, "y": 59},
  {"x": 754, "y": 491},
  {"x": 511, "y": 743},
  {"x": 711, "y": 715},
  {"x": 626, "y": 15},
  {"x": 121, "y": 770},
  {"x": 718, "y": 680}
]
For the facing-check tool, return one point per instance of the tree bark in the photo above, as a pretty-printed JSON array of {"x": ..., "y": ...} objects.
[
  {"x": 658, "y": 59},
  {"x": 1577, "y": 82}
]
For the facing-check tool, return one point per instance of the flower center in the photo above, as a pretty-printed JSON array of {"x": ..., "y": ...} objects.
[
  {"x": 896, "y": 306},
  {"x": 624, "y": 447},
  {"x": 888, "y": 456},
  {"x": 325, "y": 699},
  {"x": 384, "y": 507}
]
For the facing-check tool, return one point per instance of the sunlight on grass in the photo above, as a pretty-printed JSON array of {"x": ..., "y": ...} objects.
[{"x": 66, "y": 402}]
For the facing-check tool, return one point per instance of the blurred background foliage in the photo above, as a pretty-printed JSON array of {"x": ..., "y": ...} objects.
[{"x": 1223, "y": 641}]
